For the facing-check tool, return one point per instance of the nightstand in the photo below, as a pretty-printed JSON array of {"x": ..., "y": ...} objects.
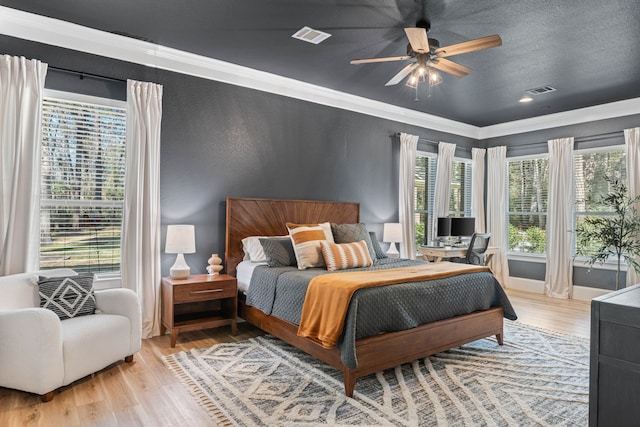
[{"x": 199, "y": 302}]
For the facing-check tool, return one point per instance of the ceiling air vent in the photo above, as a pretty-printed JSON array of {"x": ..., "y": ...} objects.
[
  {"x": 540, "y": 90},
  {"x": 310, "y": 35}
]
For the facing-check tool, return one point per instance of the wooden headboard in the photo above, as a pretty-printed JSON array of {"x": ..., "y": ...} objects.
[{"x": 268, "y": 217}]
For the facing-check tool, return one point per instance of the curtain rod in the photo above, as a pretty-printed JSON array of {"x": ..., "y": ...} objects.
[
  {"x": 576, "y": 140},
  {"x": 397, "y": 134},
  {"x": 83, "y": 75}
]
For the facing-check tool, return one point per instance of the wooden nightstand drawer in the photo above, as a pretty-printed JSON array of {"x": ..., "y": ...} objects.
[{"x": 203, "y": 291}]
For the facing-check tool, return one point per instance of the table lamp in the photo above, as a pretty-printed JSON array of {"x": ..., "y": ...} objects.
[
  {"x": 392, "y": 233},
  {"x": 181, "y": 240}
]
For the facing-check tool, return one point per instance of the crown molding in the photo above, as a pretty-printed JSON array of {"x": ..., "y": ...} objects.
[
  {"x": 64, "y": 34},
  {"x": 565, "y": 118},
  {"x": 55, "y": 32}
]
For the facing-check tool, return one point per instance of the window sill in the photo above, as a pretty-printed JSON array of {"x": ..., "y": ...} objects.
[
  {"x": 529, "y": 257},
  {"x": 577, "y": 262},
  {"x": 107, "y": 281},
  {"x": 608, "y": 265}
]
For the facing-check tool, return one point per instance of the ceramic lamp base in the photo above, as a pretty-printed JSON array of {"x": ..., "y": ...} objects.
[
  {"x": 180, "y": 269},
  {"x": 392, "y": 252}
]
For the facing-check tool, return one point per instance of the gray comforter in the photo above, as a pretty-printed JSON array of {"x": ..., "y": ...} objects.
[{"x": 280, "y": 291}]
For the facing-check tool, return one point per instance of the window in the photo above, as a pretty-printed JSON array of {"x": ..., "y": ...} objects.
[
  {"x": 527, "y": 186},
  {"x": 592, "y": 168},
  {"x": 424, "y": 188},
  {"x": 82, "y": 186},
  {"x": 460, "y": 201}
]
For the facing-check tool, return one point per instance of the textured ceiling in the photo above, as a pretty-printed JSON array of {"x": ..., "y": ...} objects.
[{"x": 588, "y": 50}]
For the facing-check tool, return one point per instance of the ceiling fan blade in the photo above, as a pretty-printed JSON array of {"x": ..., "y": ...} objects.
[
  {"x": 418, "y": 39},
  {"x": 450, "y": 67},
  {"x": 385, "y": 59},
  {"x": 402, "y": 74},
  {"x": 469, "y": 46}
]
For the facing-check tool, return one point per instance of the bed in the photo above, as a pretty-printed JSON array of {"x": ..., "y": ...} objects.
[{"x": 268, "y": 217}]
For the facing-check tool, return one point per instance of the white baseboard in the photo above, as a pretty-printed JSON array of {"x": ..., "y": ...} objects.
[{"x": 581, "y": 293}]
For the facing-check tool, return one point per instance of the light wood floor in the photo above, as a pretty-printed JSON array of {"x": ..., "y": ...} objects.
[{"x": 145, "y": 393}]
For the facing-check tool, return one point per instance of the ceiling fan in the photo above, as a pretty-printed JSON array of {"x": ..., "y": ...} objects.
[{"x": 429, "y": 56}]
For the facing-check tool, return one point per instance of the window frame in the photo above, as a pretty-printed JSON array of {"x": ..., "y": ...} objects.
[
  {"x": 530, "y": 256},
  {"x": 431, "y": 191},
  {"x": 429, "y": 211},
  {"x": 467, "y": 202},
  {"x": 111, "y": 278},
  {"x": 580, "y": 261}
]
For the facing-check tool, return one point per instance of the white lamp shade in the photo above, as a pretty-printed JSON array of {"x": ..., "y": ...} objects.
[
  {"x": 181, "y": 239},
  {"x": 392, "y": 232}
]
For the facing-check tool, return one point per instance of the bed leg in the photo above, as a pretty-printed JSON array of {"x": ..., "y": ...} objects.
[
  {"x": 349, "y": 384},
  {"x": 500, "y": 339}
]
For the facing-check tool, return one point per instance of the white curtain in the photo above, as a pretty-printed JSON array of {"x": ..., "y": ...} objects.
[
  {"x": 558, "y": 281},
  {"x": 21, "y": 88},
  {"x": 140, "y": 259},
  {"x": 408, "y": 149},
  {"x": 497, "y": 211},
  {"x": 477, "y": 187},
  {"x": 442, "y": 193},
  {"x": 632, "y": 143}
]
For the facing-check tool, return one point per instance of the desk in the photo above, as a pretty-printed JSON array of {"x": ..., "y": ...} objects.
[{"x": 438, "y": 253}]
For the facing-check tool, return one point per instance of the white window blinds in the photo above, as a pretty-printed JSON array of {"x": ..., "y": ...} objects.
[
  {"x": 460, "y": 199},
  {"x": 528, "y": 185},
  {"x": 593, "y": 172},
  {"x": 82, "y": 187},
  {"x": 425, "y": 184}
]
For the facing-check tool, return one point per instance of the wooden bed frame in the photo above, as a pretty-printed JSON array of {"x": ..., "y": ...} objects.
[{"x": 267, "y": 217}]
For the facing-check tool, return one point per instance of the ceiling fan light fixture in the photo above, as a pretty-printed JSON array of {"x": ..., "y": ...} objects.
[
  {"x": 434, "y": 77},
  {"x": 413, "y": 81}
]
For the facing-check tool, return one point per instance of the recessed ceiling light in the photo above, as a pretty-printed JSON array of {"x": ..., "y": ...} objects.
[
  {"x": 525, "y": 99},
  {"x": 310, "y": 35}
]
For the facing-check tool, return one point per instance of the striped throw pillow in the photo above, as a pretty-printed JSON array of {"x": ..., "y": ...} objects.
[
  {"x": 339, "y": 256},
  {"x": 306, "y": 240}
]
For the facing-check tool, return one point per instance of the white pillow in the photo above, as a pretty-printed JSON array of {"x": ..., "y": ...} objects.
[{"x": 253, "y": 248}]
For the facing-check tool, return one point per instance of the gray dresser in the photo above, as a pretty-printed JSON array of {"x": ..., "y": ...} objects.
[{"x": 614, "y": 382}]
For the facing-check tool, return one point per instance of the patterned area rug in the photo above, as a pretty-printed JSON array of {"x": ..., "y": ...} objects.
[{"x": 538, "y": 378}]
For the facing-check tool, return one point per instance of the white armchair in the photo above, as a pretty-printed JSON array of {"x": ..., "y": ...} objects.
[{"x": 40, "y": 353}]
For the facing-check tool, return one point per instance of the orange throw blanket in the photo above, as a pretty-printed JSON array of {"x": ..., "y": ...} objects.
[{"x": 328, "y": 296}]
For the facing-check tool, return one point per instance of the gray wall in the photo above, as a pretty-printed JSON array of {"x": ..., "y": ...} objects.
[{"x": 220, "y": 140}]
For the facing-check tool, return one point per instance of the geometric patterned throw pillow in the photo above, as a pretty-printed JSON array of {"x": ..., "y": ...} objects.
[{"x": 68, "y": 296}]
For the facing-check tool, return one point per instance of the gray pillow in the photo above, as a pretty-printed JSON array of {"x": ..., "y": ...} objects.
[
  {"x": 348, "y": 233},
  {"x": 278, "y": 251},
  {"x": 376, "y": 246},
  {"x": 68, "y": 296}
]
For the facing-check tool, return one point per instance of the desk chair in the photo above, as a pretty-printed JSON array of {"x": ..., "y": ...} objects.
[
  {"x": 477, "y": 248},
  {"x": 476, "y": 251}
]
